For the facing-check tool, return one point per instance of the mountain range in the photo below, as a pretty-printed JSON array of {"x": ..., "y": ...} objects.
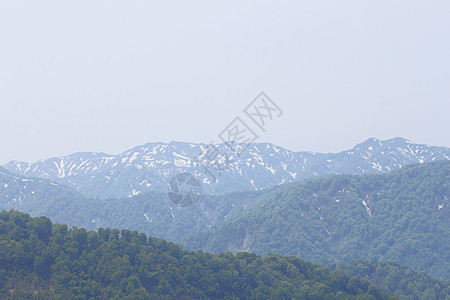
[
  {"x": 151, "y": 166},
  {"x": 401, "y": 216},
  {"x": 381, "y": 208}
]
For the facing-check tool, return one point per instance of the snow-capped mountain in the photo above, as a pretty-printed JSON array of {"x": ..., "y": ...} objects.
[{"x": 151, "y": 166}]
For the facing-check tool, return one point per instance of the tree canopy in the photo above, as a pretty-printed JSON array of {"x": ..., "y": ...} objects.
[{"x": 41, "y": 260}]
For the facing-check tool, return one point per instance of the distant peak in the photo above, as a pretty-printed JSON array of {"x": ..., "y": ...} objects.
[
  {"x": 373, "y": 142},
  {"x": 400, "y": 140},
  {"x": 369, "y": 142},
  {"x": 392, "y": 140}
]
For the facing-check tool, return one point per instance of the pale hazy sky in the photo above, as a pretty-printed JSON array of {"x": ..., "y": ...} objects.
[{"x": 110, "y": 75}]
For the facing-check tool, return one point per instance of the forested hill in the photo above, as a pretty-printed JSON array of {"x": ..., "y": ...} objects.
[
  {"x": 39, "y": 260},
  {"x": 398, "y": 279},
  {"x": 403, "y": 216}
]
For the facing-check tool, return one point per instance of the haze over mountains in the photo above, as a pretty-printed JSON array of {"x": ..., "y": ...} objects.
[{"x": 149, "y": 167}]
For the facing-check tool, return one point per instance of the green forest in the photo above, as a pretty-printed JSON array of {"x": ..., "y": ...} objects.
[
  {"x": 396, "y": 279},
  {"x": 41, "y": 260},
  {"x": 382, "y": 230},
  {"x": 402, "y": 216}
]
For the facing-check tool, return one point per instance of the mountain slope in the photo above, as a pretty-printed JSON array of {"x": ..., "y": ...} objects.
[
  {"x": 402, "y": 216},
  {"x": 151, "y": 212},
  {"x": 150, "y": 167},
  {"x": 41, "y": 197}
]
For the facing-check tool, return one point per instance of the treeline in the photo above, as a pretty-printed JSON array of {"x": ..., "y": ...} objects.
[{"x": 40, "y": 260}]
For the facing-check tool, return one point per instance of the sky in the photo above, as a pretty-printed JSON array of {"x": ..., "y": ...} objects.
[{"x": 106, "y": 76}]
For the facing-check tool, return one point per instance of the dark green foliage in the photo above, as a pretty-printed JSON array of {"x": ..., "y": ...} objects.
[
  {"x": 397, "y": 279},
  {"x": 403, "y": 216},
  {"x": 44, "y": 261}
]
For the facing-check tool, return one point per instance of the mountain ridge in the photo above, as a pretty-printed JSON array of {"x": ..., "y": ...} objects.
[{"x": 150, "y": 166}]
